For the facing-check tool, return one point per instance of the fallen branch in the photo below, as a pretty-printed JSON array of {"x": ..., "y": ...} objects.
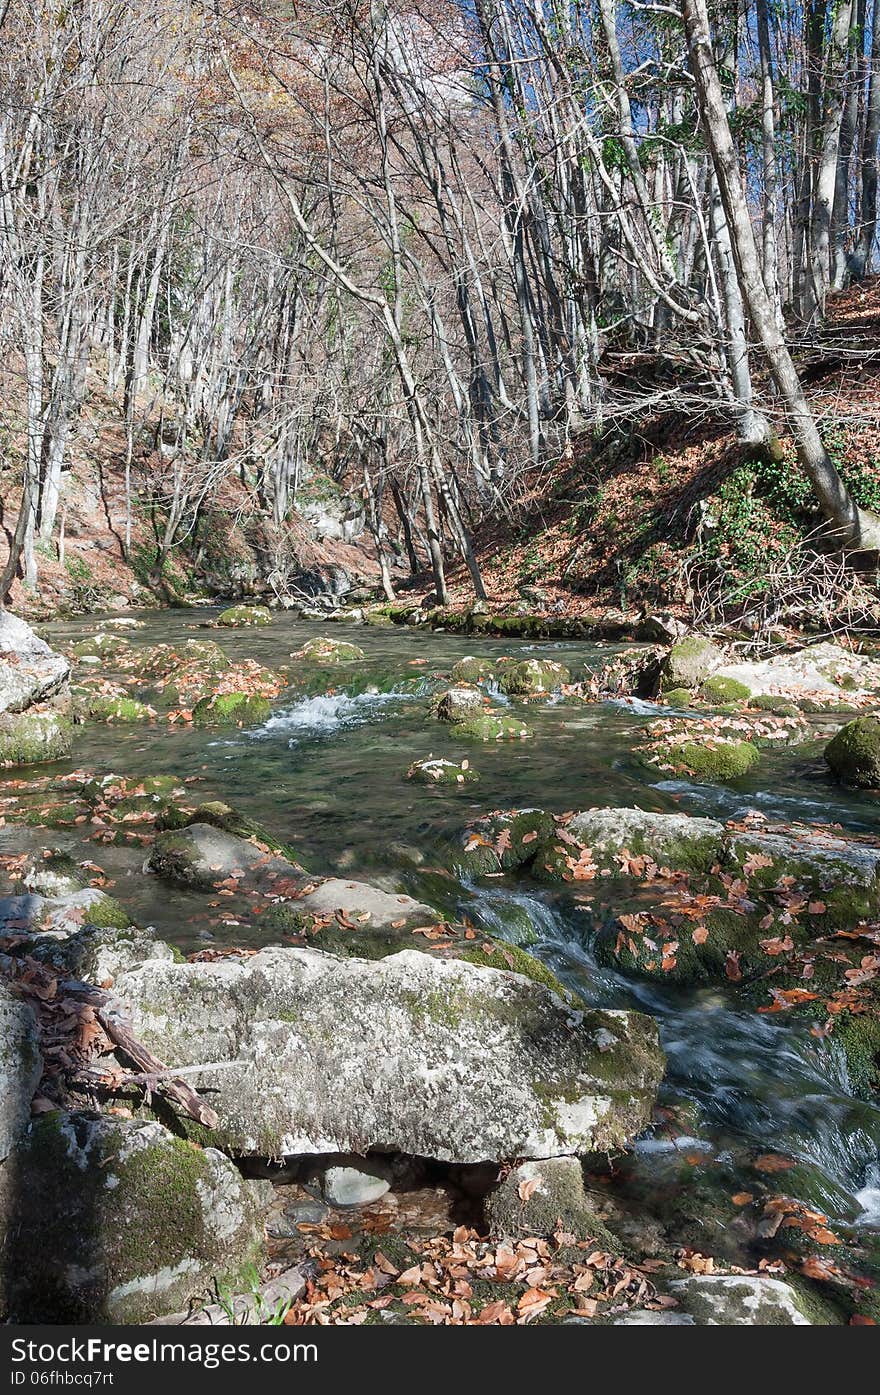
[{"x": 45, "y": 985}]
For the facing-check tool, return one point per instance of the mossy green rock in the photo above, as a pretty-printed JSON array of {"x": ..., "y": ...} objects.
[
  {"x": 690, "y": 662},
  {"x": 330, "y": 651},
  {"x": 231, "y": 710},
  {"x": 539, "y": 1198},
  {"x": 473, "y": 670},
  {"x": 119, "y": 1221},
  {"x": 96, "y": 707},
  {"x": 492, "y": 726},
  {"x": 719, "y": 760},
  {"x": 722, "y": 690},
  {"x": 532, "y": 677},
  {"x": 35, "y": 736},
  {"x": 458, "y": 704},
  {"x": 102, "y": 645},
  {"x": 854, "y": 753},
  {"x": 242, "y": 616}
]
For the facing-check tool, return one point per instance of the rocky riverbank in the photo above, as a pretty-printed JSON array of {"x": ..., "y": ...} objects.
[{"x": 414, "y": 1111}]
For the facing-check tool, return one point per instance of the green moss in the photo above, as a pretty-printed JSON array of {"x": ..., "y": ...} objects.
[
  {"x": 678, "y": 697},
  {"x": 518, "y": 961},
  {"x": 28, "y": 738},
  {"x": 473, "y": 670},
  {"x": 240, "y": 616},
  {"x": 231, "y": 709},
  {"x": 720, "y": 689},
  {"x": 859, "y": 1036},
  {"x": 98, "y": 708},
  {"x": 724, "y": 760},
  {"x": 854, "y": 753},
  {"x": 492, "y": 726},
  {"x": 532, "y": 677},
  {"x": 107, "y": 914}
]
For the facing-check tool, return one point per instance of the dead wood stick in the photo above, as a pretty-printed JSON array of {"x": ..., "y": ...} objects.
[{"x": 119, "y": 1031}]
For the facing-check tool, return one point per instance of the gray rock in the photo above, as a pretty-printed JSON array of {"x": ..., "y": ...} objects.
[
  {"x": 358, "y": 898},
  {"x": 30, "y": 672},
  {"x": 735, "y": 1300},
  {"x": 690, "y": 661},
  {"x": 825, "y": 668},
  {"x": 676, "y": 840},
  {"x": 354, "y": 1182},
  {"x": 201, "y": 855},
  {"x": 21, "y": 1066},
  {"x": 59, "y": 917},
  {"x": 537, "y": 1198},
  {"x": 119, "y": 1221},
  {"x": 457, "y": 704},
  {"x": 433, "y": 1057},
  {"x": 97, "y": 954}
]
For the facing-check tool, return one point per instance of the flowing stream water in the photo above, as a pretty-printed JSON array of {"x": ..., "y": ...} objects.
[{"x": 326, "y": 774}]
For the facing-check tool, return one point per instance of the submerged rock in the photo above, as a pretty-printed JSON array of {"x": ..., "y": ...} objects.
[
  {"x": 242, "y": 616},
  {"x": 119, "y": 1221},
  {"x": 431, "y": 1057},
  {"x": 854, "y": 753},
  {"x": 433, "y": 770},
  {"x": 101, "y": 707}
]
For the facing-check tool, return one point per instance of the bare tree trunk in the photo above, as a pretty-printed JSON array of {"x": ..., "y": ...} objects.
[{"x": 854, "y": 527}]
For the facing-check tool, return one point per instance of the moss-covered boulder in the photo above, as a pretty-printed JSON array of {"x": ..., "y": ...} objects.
[
  {"x": 434, "y": 770},
  {"x": 711, "y": 759},
  {"x": 329, "y": 651},
  {"x": 690, "y": 662},
  {"x": 103, "y": 707},
  {"x": 502, "y": 840},
  {"x": 245, "y": 616},
  {"x": 543, "y": 1197},
  {"x": 677, "y": 841},
  {"x": 231, "y": 710},
  {"x": 493, "y": 726},
  {"x": 854, "y": 753},
  {"x": 458, "y": 704},
  {"x": 40, "y": 734},
  {"x": 532, "y": 677},
  {"x": 473, "y": 670},
  {"x": 514, "y": 1070},
  {"x": 722, "y": 690},
  {"x": 119, "y": 1221},
  {"x": 102, "y": 646},
  {"x": 678, "y": 697},
  {"x": 223, "y": 816}
]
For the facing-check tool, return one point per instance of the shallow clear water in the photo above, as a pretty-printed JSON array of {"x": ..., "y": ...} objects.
[{"x": 326, "y": 774}]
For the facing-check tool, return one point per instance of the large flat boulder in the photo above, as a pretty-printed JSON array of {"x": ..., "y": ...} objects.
[
  {"x": 434, "y": 1057},
  {"x": 823, "y": 668}
]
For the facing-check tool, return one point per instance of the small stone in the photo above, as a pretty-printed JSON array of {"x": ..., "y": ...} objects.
[{"x": 349, "y": 1185}]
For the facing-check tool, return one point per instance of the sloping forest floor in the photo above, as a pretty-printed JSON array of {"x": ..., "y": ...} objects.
[{"x": 641, "y": 511}]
